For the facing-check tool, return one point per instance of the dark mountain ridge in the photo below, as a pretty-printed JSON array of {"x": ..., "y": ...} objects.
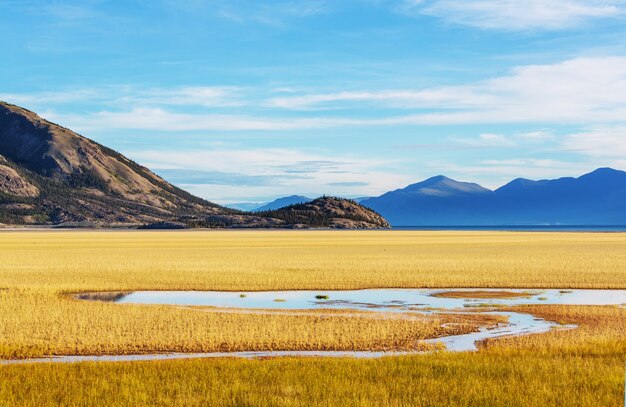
[{"x": 597, "y": 198}]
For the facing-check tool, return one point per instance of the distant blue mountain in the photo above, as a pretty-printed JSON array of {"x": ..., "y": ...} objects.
[
  {"x": 244, "y": 206},
  {"x": 597, "y": 198},
  {"x": 282, "y": 202}
]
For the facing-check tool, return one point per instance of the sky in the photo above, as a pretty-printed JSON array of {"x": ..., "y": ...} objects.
[{"x": 246, "y": 101}]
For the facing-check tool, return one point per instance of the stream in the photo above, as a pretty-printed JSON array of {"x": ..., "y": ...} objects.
[{"x": 376, "y": 300}]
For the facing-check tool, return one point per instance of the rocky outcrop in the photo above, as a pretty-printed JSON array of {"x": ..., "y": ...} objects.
[{"x": 12, "y": 183}]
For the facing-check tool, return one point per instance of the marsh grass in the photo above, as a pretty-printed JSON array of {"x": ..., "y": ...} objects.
[
  {"x": 38, "y": 270},
  {"x": 583, "y": 367},
  {"x": 40, "y": 323},
  {"x": 316, "y": 260}
]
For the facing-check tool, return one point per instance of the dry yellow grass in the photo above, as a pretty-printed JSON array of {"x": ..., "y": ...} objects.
[
  {"x": 39, "y": 269},
  {"x": 38, "y": 324},
  {"x": 601, "y": 330},
  {"x": 39, "y": 318},
  {"x": 269, "y": 260},
  {"x": 583, "y": 367}
]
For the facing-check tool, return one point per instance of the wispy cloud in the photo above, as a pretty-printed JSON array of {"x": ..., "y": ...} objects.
[
  {"x": 278, "y": 13},
  {"x": 70, "y": 12},
  {"x": 580, "y": 90},
  {"x": 488, "y": 140},
  {"x": 497, "y": 172},
  {"x": 229, "y": 174},
  {"x": 163, "y": 120},
  {"x": 201, "y": 177},
  {"x": 132, "y": 96},
  {"x": 600, "y": 142},
  {"x": 516, "y": 15}
]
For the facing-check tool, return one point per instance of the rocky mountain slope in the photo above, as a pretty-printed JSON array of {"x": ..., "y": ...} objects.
[
  {"x": 49, "y": 174},
  {"x": 52, "y": 176}
]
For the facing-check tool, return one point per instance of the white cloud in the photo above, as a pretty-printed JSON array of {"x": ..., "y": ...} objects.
[
  {"x": 129, "y": 96},
  {"x": 407, "y": 99},
  {"x": 516, "y": 15},
  {"x": 536, "y": 136},
  {"x": 488, "y": 140},
  {"x": 292, "y": 169},
  {"x": 51, "y": 98},
  {"x": 216, "y": 96},
  {"x": 600, "y": 142},
  {"x": 164, "y": 120},
  {"x": 581, "y": 90},
  {"x": 495, "y": 173}
]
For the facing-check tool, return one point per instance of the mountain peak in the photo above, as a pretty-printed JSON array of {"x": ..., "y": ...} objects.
[
  {"x": 282, "y": 202},
  {"x": 518, "y": 184},
  {"x": 441, "y": 185},
  {"x": 604, "y": 172},
  {"x": 596, "y": 198},
  {"x": 297, "y": 197},
  {"x": 438, "y": 178},
  {"x": 60, "y": 176}
]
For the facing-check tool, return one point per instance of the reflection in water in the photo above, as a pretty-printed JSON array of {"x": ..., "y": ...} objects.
[{"x": 372, "y": 299}]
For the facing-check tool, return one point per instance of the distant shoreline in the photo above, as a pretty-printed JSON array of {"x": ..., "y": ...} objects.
[
  {"x": 520, "y": 228},
  {"x": 503, "y": 228}
]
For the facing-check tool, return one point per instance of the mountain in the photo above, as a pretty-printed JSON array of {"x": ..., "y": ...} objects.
[
  {"x": 436, "y": 201},
  {"x": 282, "y": 202},
  {"x": 597, "y": 198},
  {"x": 49, "y": 174},
  {"x": 329, "y": 212},
  {"x": 244, "y": 206},
  {"x": 277, "y": 203},
  {"x": 52, "y": 176}
]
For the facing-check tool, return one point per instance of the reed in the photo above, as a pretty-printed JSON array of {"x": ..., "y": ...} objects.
[{"x": 39, "y": 272}]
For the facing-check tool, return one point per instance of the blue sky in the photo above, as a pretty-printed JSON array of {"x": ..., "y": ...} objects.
[{"x": 244, "y": 101}]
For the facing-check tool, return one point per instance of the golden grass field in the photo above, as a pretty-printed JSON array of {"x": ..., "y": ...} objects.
[{"x": 38, "y": 271}]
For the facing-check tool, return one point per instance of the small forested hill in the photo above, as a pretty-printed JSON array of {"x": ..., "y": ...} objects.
[{"x": 328, "y": 212}]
